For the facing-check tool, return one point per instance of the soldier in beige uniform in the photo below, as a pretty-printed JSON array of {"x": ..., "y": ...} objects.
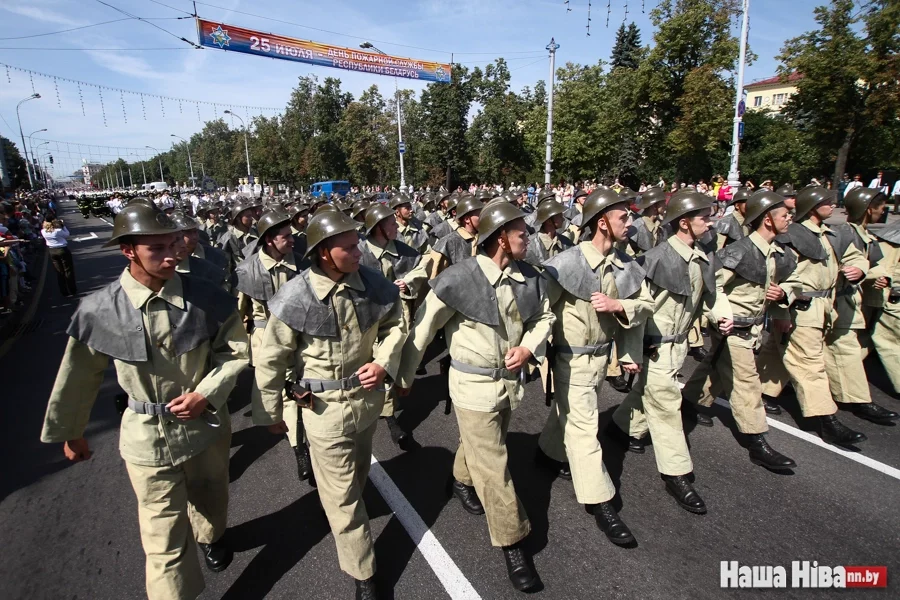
[
  {"x": 881, "y": 299},
  {"x": 271, "y": 263},
  {"x": 494, "y": 310},
  {"x": 598, "y": 295},
  {"x": 751, "y": 270},
  {"x": 340, "y": 327},
  {"x": 178, "y": 346},
  {"x": 803, "y": 333},
  {"x": 546, "y": 242},
  {"x": 646, "y": 232},
  {"x": 410, "y": 230},
  {"x": 734, "y": 227},
  {"x": 408, "y": 270},
  {"x": 199, "y": 260},
  {"x": 240, "y": 233},
  {"x": 682, "y": 282},
  {"x": 456, "y": 247}
]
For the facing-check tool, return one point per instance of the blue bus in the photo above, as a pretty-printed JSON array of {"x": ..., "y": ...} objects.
[{"x": 329, "y": 187}]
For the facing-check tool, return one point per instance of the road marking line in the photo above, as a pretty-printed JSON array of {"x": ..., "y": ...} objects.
[
  {"x": 453, "y": 580},
  {"x": 817, "y": 441},
  {"x": 105, "y": 221}
]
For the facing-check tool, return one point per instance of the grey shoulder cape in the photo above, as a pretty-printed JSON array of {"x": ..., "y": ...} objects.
[
  {"x": 804, "y": 241},
  {"x": 745, "y": 259},
  {"x": 454, "y": 247},
  {"x": 465, "y": 288},
  {"x": 442, "y": 230},
  {"x": 730, "y": 228},
  {"x": 406, "y": 260},
  {"x": 107, "y": 322},
  {"x": 216, "y": 257},
  {"x": 640, "y": 237},
  {"x": 668, "y": 270},
  {"x": 254, "y": 280},
  {"x": 205, "y": 269},
  {"x": 888, "y": 233},
  {"x": 573, "y": 273},
  {"x": 420, "y": 237},
  {"x": 537, "y": 254},
  {"x": 845, "y": 234},
  {"x": 297, "y": 305}
]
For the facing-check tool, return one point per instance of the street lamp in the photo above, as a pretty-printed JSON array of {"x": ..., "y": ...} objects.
[
  {"x": 143, "y": 170},
  {"x": 25, "y": 148},
  {"x": 246, "y": 147},
  {"x": 190, "y": 164},
  {"x": 33, "y": 155},
  {"x": 31, "y": 142},
  {"x": 159, "y": 158},
  {"x": 369, "y": 46}
]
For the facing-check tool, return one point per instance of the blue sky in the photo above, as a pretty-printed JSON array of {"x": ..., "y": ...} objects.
[{"x": 476, "y": 31}]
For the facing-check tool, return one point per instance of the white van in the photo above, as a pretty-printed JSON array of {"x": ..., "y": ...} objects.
[{"x": 156, "y": 186}]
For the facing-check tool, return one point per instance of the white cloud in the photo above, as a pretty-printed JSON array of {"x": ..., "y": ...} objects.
[{"x": 40, "y": 11}]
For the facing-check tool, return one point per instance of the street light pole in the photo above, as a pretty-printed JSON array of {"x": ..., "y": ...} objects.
[
  {"x": 43, "y": 176},
  {"x": 159, "y": 158},
  {"x": 22, "y": 135},
  {"x": 369, "y": 46},
  {"x": 190, "y": 163},
  {"x": 552, "y": 47},
  {"x": 734, "y": 175},
  {"x": 31, "y": 142},
  {"x": 246, "y": 147}
]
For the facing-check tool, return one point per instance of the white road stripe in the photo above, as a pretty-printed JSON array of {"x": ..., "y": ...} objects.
[
  {"x": 105, "y": 221},
  {"x": 456, "y": 584},
  {"x": 817, "y": 441}
]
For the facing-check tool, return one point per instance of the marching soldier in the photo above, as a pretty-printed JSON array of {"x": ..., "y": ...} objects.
[
  {"x": 789, "y": 194},
  {"x": 358, "y": 212},
  {"x": 400, "y": 264},
  {"x": 682, "y": 280},
  {"x": 545, "y": 242},
  {"x": 750, "y": 273},
  {"x": 299, "y": 216},
  {"x": 240, "y": 233},
  {"x": 339, "y": 326},
  {"x": 647, "y": 233},
  {"x": 198, "y": 260},
  {"x": 802, "y": 333},
  {"x": 443, "y": 222},
  {"x": 459, "y": 245},
  {"x": 597, "y": 295},
  {"x": 410, "y": 229},
  {"x": 270, "y": 265},
  {"x": 573, "y": 214},
  {"x": 495, "y": 313},
  {"x": 881, "y": 298},
  {"x": 734, "y": 227},
  {"x": 178, "y": 346}
]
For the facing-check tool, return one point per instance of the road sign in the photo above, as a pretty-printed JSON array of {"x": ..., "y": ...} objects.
[
  {"x": 402, "y": 147},
  {"x": 742, "y": 107},
  {"x": 741, "y": 130}
]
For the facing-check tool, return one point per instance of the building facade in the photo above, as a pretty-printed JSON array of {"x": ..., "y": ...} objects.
[
  {"x": 89, "y": 170},
  {"x": 771, "y": 93}
]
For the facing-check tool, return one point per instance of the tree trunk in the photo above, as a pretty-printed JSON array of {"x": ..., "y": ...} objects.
[
  {"x": 841, "y": 163},
  {"x": 448, "y": 177}
]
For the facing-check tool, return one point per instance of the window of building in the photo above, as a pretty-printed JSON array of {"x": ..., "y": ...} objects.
[
  {"x": 757, "y": 101},
  {"x": 779, "y": 99}
]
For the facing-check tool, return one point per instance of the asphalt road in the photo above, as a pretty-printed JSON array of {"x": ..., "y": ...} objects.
[{"x": 70, "y": 531}]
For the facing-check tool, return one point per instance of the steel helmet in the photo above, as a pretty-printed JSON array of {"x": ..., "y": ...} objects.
[
  {"x": 786, "y": 190},
  {"x": 495, "y": 215},
  {"x": 360, "y": 206},
  {"x": 326, "y": 208},
  {"x": 377, "y": 213},
  {"x": 399, "y": 200},
  {"x": 327, "y": 224},
  {"x": 546, "y": 210},
  {"x": 650, "y": 197},
  {"x": 684, "y": 203},
  {"x": 598, "y": 201},
  {"x": 627, "y": 193},
  {"x": 760, "y": 203},
  {"x": 237, "y": 209},
  {"x": 810, "y": 197},
  {"x": 742, "y": 194},
  {"x": 452, "y": 201},
  {"x": 140, "y": 219},
  {"x": 859, "y": 199},
  {"x": 272, "y": 218},
  {"x": 183, "y": 222},
  {"x": 468, "y": 205}
]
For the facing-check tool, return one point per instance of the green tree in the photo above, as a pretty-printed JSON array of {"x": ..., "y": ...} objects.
[
  {"x": 626, "y": 52},
  {"x": 445, "y": 110},
  {"x": 328, "y": 106},
  {"x": 773, "y": 148},
  {"x": 364, "y": 130},
  {"x": 15, "y": 165}
]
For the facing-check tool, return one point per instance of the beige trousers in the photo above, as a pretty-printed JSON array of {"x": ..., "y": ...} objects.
[
  {"x": 481, "y": 461},
  {"x": 734, "y": 376},
  {"x": 804, "y": 361},
  {"x": 175, "y": 506},
  {"x": 570, "y": 434},
  {"x": 341, "y": 465},
  {"x": 844, "y": 365},
  {"x": 773, "y": 376},
  {"x": 654, "y": 405},
  {"x": 613, "y": 369},
  {"x": 885, "y": 340}
]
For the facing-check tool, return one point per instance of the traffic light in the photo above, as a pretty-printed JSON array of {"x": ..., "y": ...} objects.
[{"x": 51, "y": 159}]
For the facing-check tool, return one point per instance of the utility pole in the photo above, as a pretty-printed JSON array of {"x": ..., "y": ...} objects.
[
  {"x": 734, "y": 175},
  {"x": 246, "y": 147},
  {"x": 552, "y": 47},
  {"x": 22, "y": 135},
  {"x": 159, "y": 158}
]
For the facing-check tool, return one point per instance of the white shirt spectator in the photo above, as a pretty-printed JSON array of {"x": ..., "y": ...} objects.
[
  {"x": 878, "y": 185},
  {"x": 896, "y": 190},
  {"x": 852, "y": 185},
  {"x": 56, "y": 238}
]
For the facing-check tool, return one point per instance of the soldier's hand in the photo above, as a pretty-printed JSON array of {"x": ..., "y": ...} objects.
[
  {"x": 630, "y": 368},
  {"x": 77, "y": 450},
  {"x": 516, "y": 358},
  {"x": 774, "y": 293},
  {"x": 881, "y": 283},
  {"x": 782, "y": 325},
  {"x": 726, "y": 326},
  {"x": 404, "y": 289},
  {"x": 853, "y": 274},
  {"x": 604, "y": 304},
  {"x": 188, "y": 406},
  {"x": 371, "y": 375},
  {"x": 278, "y": 428}
]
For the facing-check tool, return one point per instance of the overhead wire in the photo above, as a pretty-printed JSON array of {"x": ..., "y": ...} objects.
[{"x": 163, "y": 29}]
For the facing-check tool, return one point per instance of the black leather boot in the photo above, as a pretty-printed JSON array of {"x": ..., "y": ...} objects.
[
  {"x": 762, "y": 454},
  {"x": 694, "y": 414},
  {"x": 304, "y": 462},
  {"x": 365, "y": 589},
  {"x": 610, "y": 523},
  {"x": 466, "y": 495},
  {"x": 685, "y": 495},
  {"x": 619, "y": 383},
  {"x": 698, "y": 353},
  {"x": 835, "y": 432},
  {"x": 217, "y": 556},
  {"x": 560, "y": 469},
  {"x": 873, "y": 412},
  {"x": 398, "y": 436},
  {"x": 631, "y": 443},
  {"x": 521, "y": 574},
  {"x": 770, "y": 406}
]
